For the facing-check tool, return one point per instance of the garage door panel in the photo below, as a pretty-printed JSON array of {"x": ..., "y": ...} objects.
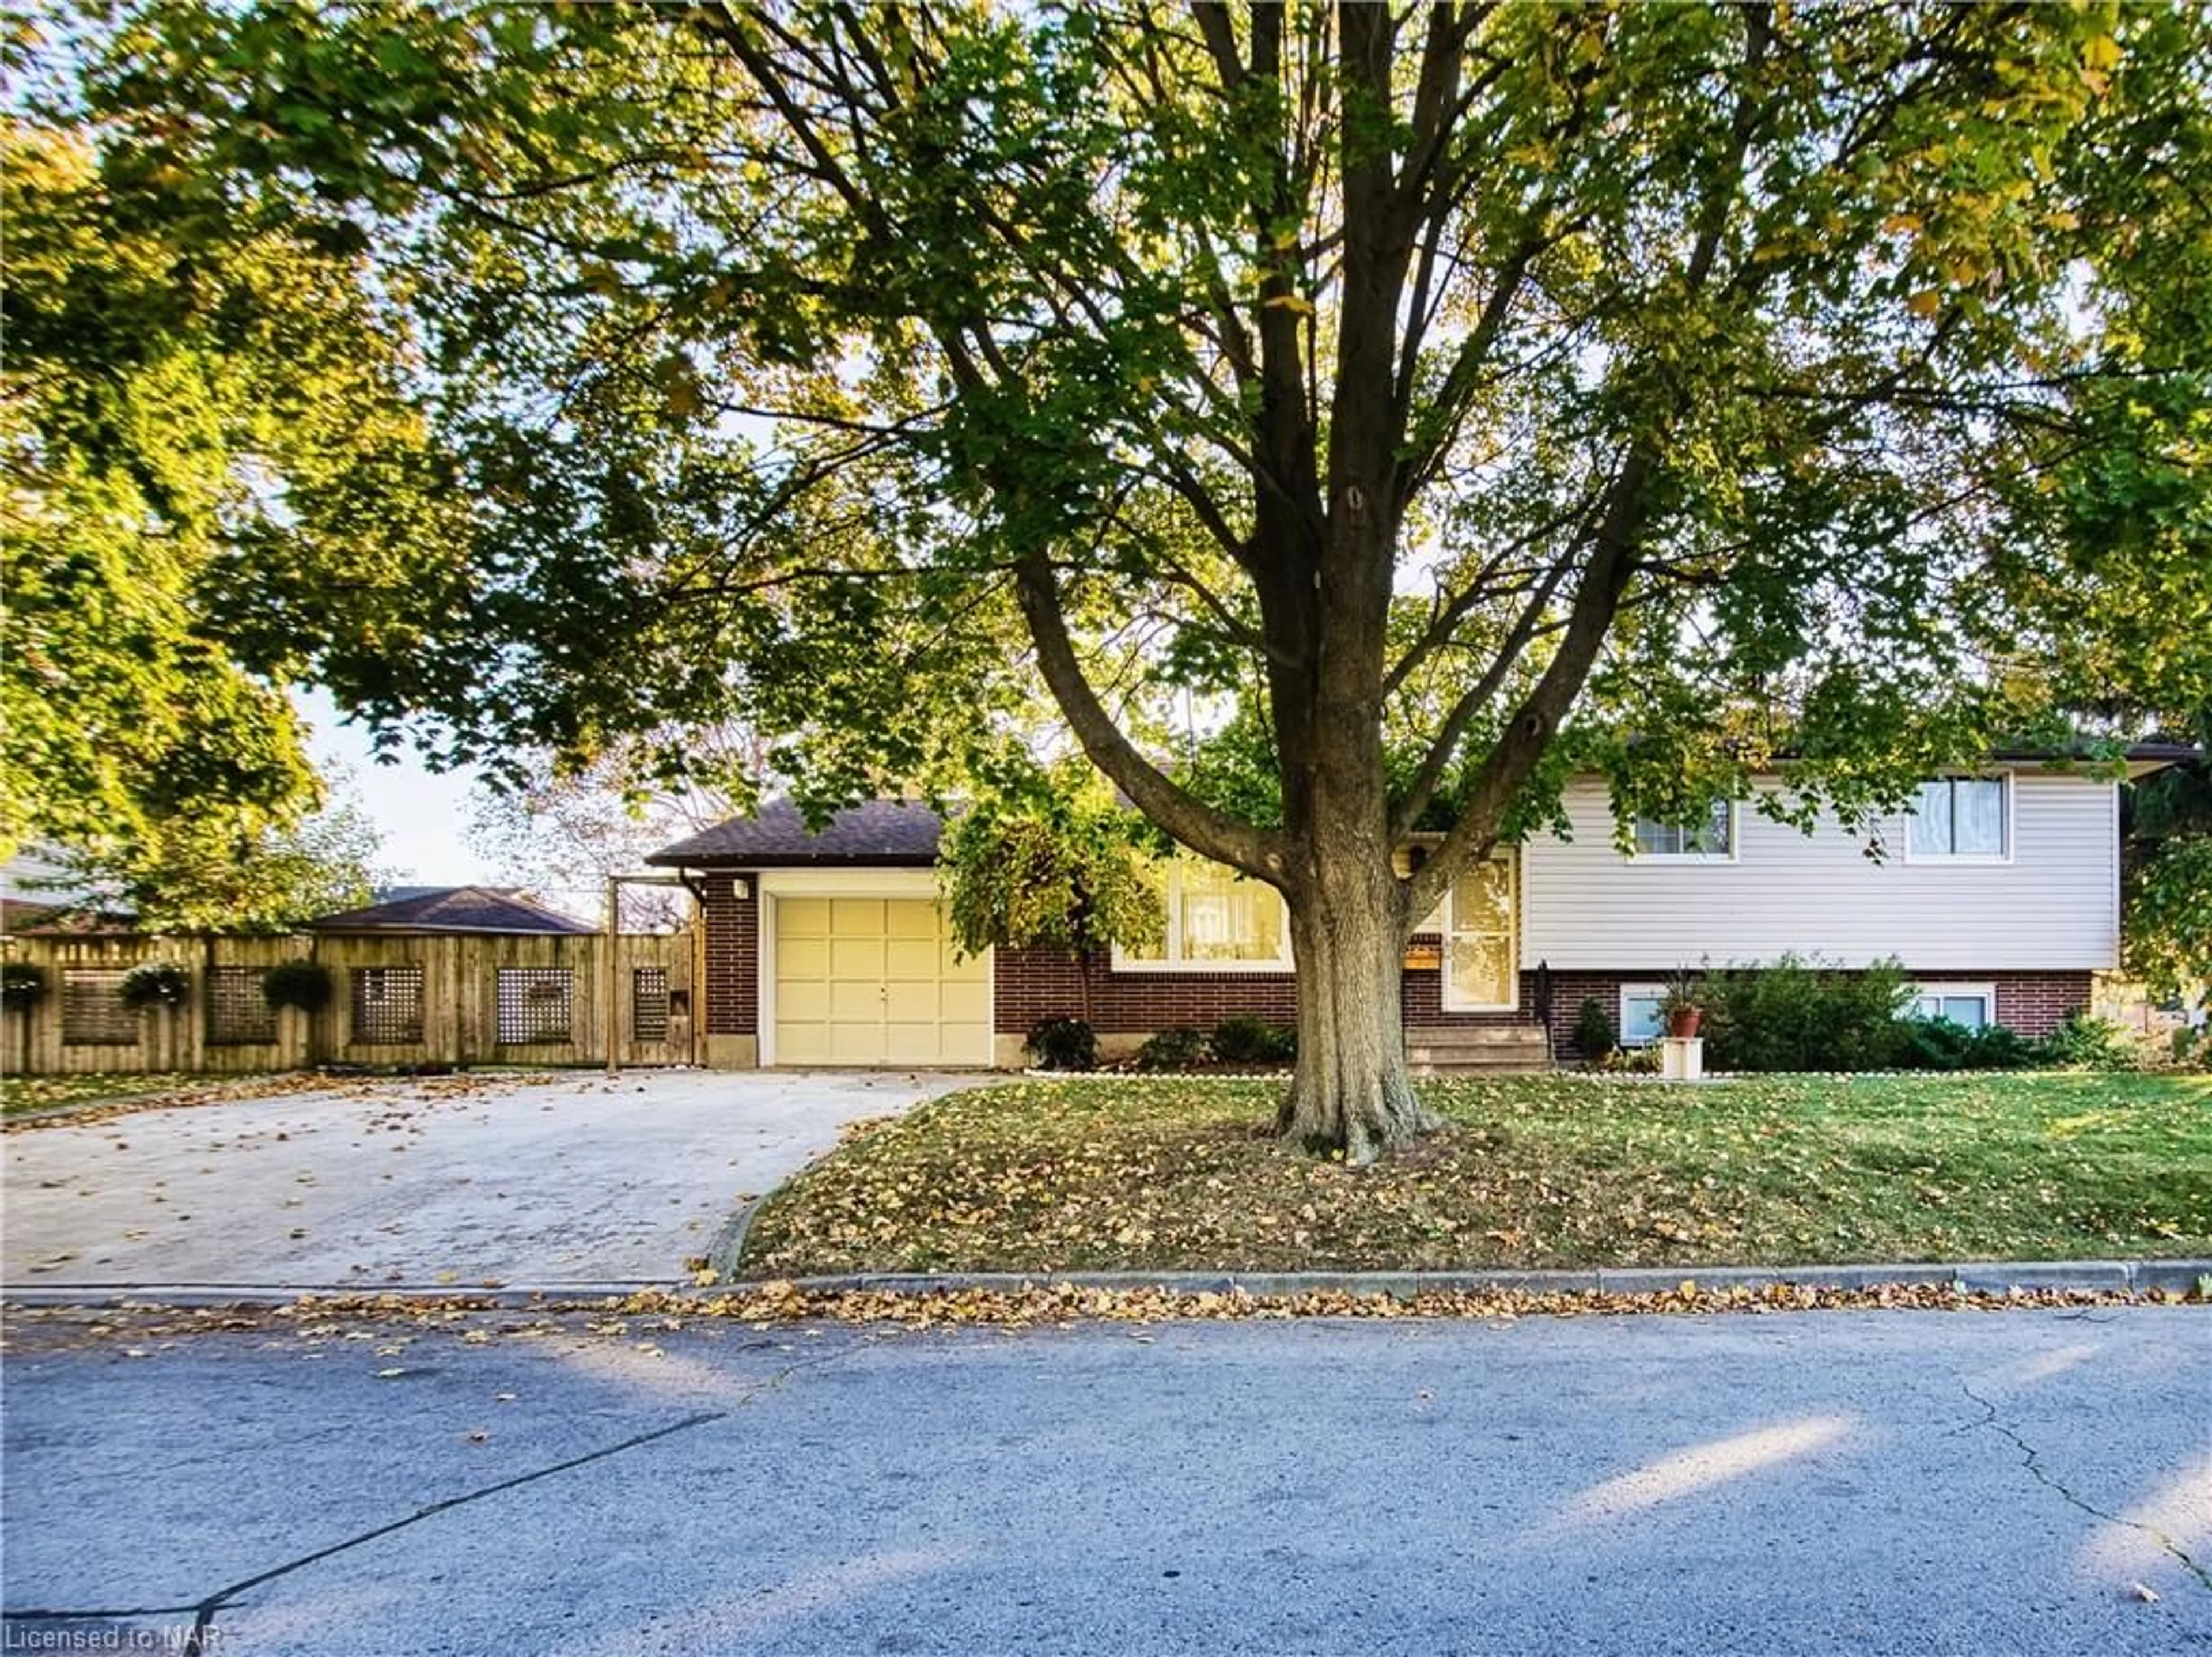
[
  {"x": 802, "y": 917},
  {"x": 852, "y": 957},
  {"x": 801, "y": 1001},
  {"x": 911, "y": 960},
  {"x": 967, "y": 1004},
  {"x": 802, "y": 958},
  {"x": 911, "y": 1003},
  {"x": 856, "y": 1001},
  {"x": 803, "y": 1043},
  {"x": 912, "y": 917},
  {"x": 857, "y": 917}
]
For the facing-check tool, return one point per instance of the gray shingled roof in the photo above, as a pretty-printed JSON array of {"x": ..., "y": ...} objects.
[
  {"x": 878, "y": 832},
  {"x": 453, "y": 908}
]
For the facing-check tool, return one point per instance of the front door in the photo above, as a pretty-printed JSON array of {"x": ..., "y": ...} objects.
[{"x": 1482, "y": 937}]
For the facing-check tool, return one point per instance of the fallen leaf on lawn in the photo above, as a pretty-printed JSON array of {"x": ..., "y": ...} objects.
[
  {"x": 389, "y": 1374},
  {"x": 2145, "y": 1592}
]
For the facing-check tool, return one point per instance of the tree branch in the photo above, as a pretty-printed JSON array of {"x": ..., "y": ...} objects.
[{"x": 1205, "y": 830}]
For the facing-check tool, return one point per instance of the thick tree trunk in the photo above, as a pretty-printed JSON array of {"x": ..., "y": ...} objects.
[{"x": 1351, "y": 1090}]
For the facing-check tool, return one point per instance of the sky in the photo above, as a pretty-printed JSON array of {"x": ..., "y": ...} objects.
[{"x": 422, "y": 817}]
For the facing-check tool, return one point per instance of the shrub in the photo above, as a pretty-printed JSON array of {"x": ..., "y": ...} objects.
[
  {"x": 1175, "y": 1049},
  {"x": 2191, "y": 1047},
  {"x": 1244, "y": 1039},
  {"x": 1944, "y": 1045},
  {"x": 302, "y": 983},
  {"x": 1064, "y": 1043},
  {"x": 156, "y": 983},
  {"x": 1796, "y": 1014},
  {"x": 1594, "y": 1036},
  {"x": 1997, "y": 1047},
  {"x": 2085, "y": 1042},
  {"x": 22, "y": 984}
]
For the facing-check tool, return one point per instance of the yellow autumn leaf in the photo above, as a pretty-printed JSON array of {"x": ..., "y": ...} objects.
[
  {"x": 1925, "y": 303},
  {"x": 2102, "y": 51},
  {"x": 1290, "y": 301}
]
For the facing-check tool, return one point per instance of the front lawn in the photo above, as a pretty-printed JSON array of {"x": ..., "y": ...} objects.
[
  {"x": 1531, "y": 1171},
  {"x": 26, "y": 1095}
]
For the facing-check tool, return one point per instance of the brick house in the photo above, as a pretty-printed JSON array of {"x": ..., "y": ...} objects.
[{"x": 1999, "y": 892}]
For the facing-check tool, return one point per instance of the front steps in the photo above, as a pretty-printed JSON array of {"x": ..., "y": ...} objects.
[{"x": 1476, "y": 1049}]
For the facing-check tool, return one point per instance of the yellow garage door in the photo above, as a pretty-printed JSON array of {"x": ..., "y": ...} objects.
[{"x": 876, "y": 981}]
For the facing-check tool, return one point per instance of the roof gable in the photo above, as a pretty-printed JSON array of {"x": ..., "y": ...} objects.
[{"x": 453, "y": 908}]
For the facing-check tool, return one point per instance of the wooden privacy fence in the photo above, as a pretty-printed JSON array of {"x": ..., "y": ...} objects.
[{"x": 395, "y": 1000}]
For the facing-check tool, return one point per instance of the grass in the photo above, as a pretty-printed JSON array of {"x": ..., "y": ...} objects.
[
  {"x": 1531, "y": 1172},
  {"x": 26, "y": 1095}
]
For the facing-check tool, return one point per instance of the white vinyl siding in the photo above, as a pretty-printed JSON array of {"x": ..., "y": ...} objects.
[{"x": 2053, "y": 904}]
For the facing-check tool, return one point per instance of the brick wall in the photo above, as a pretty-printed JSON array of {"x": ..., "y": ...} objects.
[
  {"x": 2034, "y": 1004},
  {"x": 732, "y": 959},
  {"x": 1036, "y": 983}
]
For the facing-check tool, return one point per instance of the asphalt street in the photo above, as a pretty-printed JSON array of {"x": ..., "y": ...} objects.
[{"x": 1979, "y": 1483}]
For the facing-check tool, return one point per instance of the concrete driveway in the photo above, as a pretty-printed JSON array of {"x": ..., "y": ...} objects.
[{"x": 579, "y": 1181}]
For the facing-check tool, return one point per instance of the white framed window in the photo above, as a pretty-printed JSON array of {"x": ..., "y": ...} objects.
[
  {"x": 1960, "y": 820},
  {"x": 1215, "y": 920},
  {"x": 1640, "y": 1023},
  {"x": 1974, "y": 1005},
  {"x": 1711, "y": 839}
]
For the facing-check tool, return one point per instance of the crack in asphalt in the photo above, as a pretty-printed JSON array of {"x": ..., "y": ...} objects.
[
  {"x": 2034, "y": 1464},
  {"x": 204, "y": 1611}
]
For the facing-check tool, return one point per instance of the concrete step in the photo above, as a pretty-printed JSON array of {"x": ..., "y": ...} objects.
[
  {"x": 1472, "y": 1035},
  {"x": 1487, "y": 1048}
]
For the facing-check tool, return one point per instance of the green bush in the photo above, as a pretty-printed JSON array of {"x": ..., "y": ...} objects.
[
  {"x": 1173, "y": 1050},
  {"x": 1796, "y": 1014},
  {"x": 1943, "y": 1044},
  {"x": 2085, "y": 1042},
  {"x": 1064, "y": 1043},
  {"x": 22, "y": 984},
  {"x": 1244, "y": 1039},
  {"x": 156, "y": 983},
  {"x": 302, "y": 983},
  {"x": 1594, "y": 1036}
]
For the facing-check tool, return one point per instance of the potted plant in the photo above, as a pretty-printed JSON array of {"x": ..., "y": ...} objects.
[
  {"x": 299, "y": 982},
  {"x": 21, "y": 984},
  {"x": 1680, "y": 1009},
  {"x": 156, "y": 983}
]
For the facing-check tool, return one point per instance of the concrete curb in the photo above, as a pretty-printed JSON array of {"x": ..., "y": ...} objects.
[
  {"x": 506, "y": 1296},
  {"x": 1994, "y": 1276},
  {"x": 1988, "y": 1277}
]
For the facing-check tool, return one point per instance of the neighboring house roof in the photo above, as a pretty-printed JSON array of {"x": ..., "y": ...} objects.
[
  {"x": 453, "y": 908},
  {"x": 25, "y": 915},
  {"x": 877, "y": 832}
]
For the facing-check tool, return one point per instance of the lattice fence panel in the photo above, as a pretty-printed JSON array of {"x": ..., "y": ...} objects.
[
  {"x": 237, "y": 1011},
  {"x": 387, "y": 1005},
  {"x": 537, "y": 1005}
]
